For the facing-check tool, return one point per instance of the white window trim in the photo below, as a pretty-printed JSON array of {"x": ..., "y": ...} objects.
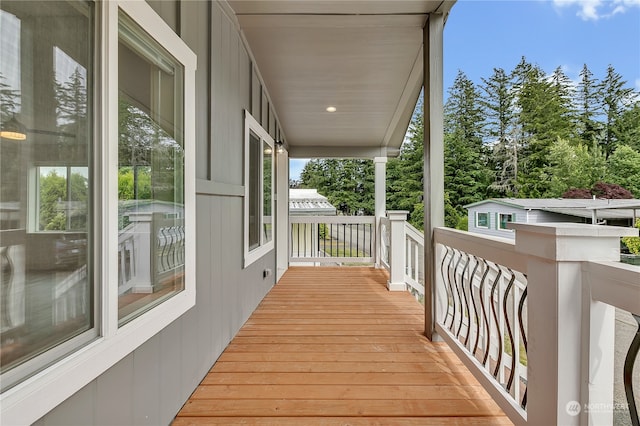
[
  {"x": 478, "y": 221},
  {"x": 28, "y": 401},
  {"x": 252, "y": 125}
]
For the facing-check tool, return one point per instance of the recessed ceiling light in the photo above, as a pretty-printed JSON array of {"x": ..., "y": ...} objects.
[{"x": 331, "y": 109}]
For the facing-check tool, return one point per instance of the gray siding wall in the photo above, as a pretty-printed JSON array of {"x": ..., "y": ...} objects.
[
  {"x": 494, "y": 209},
  {"x": 521, "y": 216},
  {"x": 150, "y": 385}
]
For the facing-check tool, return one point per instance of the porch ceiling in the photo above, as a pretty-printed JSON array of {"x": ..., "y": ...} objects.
[{"x": 362, "y": 57}]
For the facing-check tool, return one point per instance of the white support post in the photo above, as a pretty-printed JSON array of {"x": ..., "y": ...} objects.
[
  {"x": 380, "y": 168},
  {"x": 570, "y": 337},
  {"x": 282, "y": 213},
  {"x": 397, "y": 250},
  {"x": 433, "y": 159}
]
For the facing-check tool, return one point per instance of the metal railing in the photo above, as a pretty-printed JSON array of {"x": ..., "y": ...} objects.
[{"x": 332, "y": 239}]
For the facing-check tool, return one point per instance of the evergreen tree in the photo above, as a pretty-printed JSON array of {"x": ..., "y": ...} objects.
[
  {"x": 624, "y": 169},
  {"x": 467, "y": 175},
  {"x": 573, "y": 166},
  {"x": 498, "y": 103},
  {"x": 587, "y": 101},
  {"x": 626, "y": 128},
  {"x": 545, "y": 116},
  {"x": 615, "y": 99},
  {"x": 405, "y": 173}
]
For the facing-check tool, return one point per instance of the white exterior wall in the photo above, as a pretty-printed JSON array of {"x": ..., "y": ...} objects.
[{"x": 150, "y": 385}]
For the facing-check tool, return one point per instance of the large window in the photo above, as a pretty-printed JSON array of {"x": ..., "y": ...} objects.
[
  {"x": 151, "y": 237},
  {"x": 46, "y": 172},
  {"x": 97, "y": 192},
  {"x": 258, "y": 190}
]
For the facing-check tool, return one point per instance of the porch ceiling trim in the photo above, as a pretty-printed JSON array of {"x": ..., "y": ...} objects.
[{"x": 363, "y": 57}]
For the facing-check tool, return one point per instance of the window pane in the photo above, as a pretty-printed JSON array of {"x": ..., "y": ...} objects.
[
  {"x": 483, "y": 220},
  {"x": 254, "y": 191},
  {"x": 151, "y": 235},
  {"x": 46, "y": 290},
  {"x": 504, "y": 219},
  {"x": 266, "y": 187}
]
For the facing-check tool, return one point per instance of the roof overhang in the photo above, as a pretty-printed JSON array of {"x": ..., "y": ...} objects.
[{"x": 362, "y": 57}]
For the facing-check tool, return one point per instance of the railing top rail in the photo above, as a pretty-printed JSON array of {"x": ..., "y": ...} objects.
[
  {"x": 494, "y": 249},
  {"x": 614, "y": 283},
  {"x": 414, "y": 233},
  {"x": 333, "y": 219}
]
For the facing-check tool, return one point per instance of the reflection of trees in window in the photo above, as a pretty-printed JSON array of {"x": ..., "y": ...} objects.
[
  {"x": 9, "y": 99},
  {"x": 63, "y": 204},
  {"x": 71, "y": 99},
  {"x": 150, "y": 160},
  {"x": 9, "y": 152}
]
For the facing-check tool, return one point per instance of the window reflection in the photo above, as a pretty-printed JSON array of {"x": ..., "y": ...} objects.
[
  {"x": 46, "y": 292},
  {"x": 151, "y": 233}
]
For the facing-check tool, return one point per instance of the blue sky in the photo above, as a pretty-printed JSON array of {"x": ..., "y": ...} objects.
[{"x": 482, "y": 35}]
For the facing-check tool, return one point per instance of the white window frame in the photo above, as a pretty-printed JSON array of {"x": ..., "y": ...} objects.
[
  {"x": 251, "y": 125},
  {"x": 499, "y": 221},
  {"x": 478, "y": 220},
  {"x": 34, "y": 397}
]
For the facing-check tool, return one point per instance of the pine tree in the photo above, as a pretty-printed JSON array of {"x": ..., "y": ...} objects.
[
  {"x": 615, "y": 99},
  {"x": 587, "y": 101},
  {"x": 626, "y": 128},
  {"x": 498, "y": 103},
  {"x": 467, "y": 175},
  {"x": 544, "y": 115}
]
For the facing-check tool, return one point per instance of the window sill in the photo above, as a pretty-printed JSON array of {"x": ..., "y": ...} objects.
[{"x": 257, "y": 253}]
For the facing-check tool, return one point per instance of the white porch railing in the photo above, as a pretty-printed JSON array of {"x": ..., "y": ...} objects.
[
  {"x": 534, "y": 319},
  {"x": 332, "y": 239},
  {"x": 150, "y": 249}
]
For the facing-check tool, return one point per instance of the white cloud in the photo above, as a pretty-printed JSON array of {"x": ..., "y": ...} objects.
[{"x": 592, "y": 10}]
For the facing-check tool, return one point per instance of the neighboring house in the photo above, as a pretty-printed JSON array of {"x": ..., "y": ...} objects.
[
  {"x": 308, "y": 202},
  {"x": 490, "y": 217},
  {"x": 198, "y": 106}
]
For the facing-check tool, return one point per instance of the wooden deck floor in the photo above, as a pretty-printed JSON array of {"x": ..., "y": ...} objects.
[{"x": 331, "y": 346}]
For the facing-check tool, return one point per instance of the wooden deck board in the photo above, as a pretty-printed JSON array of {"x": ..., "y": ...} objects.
[
  {"x": 331, "y": 346},
  {"x": 343, "y": 421}
]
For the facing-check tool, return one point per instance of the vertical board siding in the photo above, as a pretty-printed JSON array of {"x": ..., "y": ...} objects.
[
  {"x": 114, "y": 394},
  {"x": 75, "y": 411},
  {"x": 256, "y": 95},
  {"x": 168, "y": 10},
  {"x": 264, "y": 118},
  {"x": 195, "y": 32},
  {"x": 146, "y": 375}
]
